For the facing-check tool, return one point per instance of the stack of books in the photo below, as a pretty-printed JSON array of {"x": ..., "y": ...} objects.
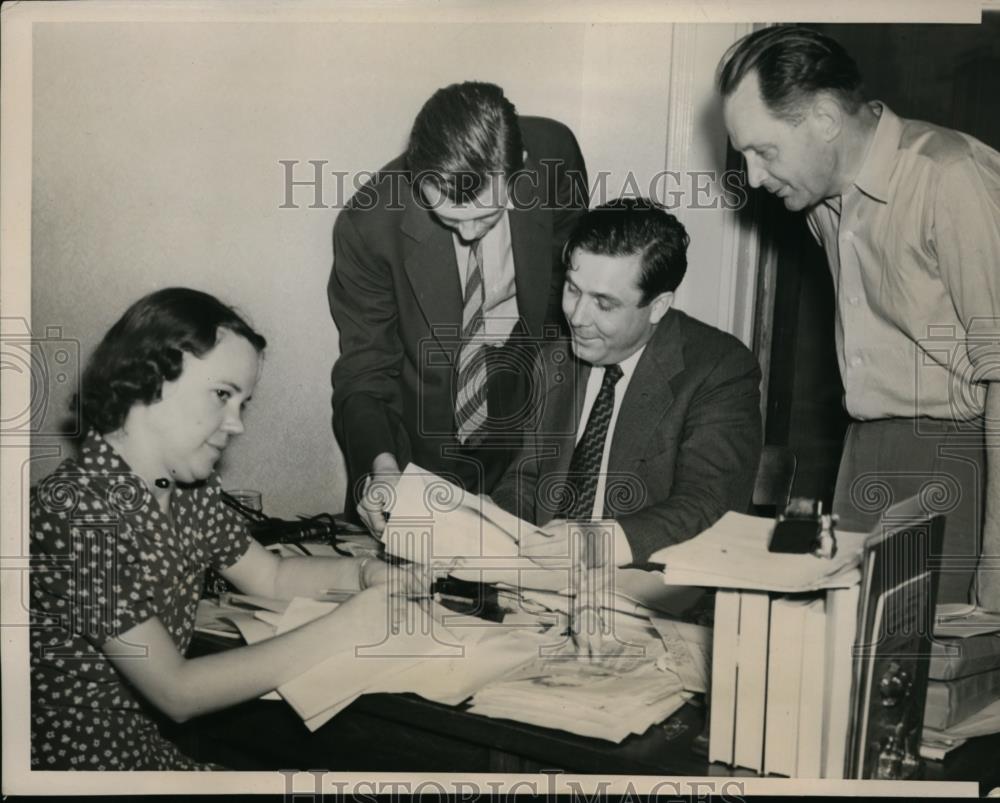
[
  {"x": 808, "y": 651},
  {"x": 781, "y": 681},
  {"x": 781, "y": 656},
  {"x": 964, "y": 680}
]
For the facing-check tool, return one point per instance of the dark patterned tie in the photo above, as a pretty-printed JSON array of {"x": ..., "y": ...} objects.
[
  {"x": 578, "y": 496},
  {"x": 470, "y": 397}
]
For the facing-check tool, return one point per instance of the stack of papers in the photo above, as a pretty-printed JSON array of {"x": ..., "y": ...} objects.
[
  {"x": 600, "y": 698},
  {"x": 636, "y": 601},
  {"x": 733, "y": 554},
  {"x": 447, "y": 666},
  {"x": 632, "y": 684},
  {"x": 526, "y": 666},
  {"x": 444, "y": 657}
]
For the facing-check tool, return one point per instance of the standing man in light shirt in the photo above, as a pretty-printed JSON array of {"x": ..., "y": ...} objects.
[
  {"x": 909, "y": 216},
  {"x": 446, "y": 276},
  {"x": 647, "y": 417}
]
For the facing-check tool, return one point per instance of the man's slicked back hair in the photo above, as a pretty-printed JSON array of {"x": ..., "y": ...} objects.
[
  {"x": 792, "y": 64},
  {"x": 464, "y": 135},
  {"x": 628, "y": 226}
]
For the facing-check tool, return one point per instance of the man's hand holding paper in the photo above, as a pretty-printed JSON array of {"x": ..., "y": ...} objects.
[
  {"x": 601, "y": 542},
  {"x": 436, "y": 523},
  {"x": 376, "y": 499}
]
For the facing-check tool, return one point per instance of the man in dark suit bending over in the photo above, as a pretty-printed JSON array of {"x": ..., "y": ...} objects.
[
  {"x": 648, "y": 417},
  {"x": 446, "y": 276}
]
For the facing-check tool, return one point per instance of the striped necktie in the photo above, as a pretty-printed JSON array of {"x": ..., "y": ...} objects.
[
  {"x": 470, "y": 398},
  {"x": 581, "y": 485}
]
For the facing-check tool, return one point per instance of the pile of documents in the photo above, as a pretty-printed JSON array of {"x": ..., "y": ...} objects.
[
  {"x": 447, "y": 668},
  {"x": 610, "y": 696},
  {"x": 732, "y": 553},
  {"x": 963, "y": 693},
  {"x": 596, "y": 699},
  {"x": 647, "y": 664},
  {"x": 438, "y": 655},
  {"x": 525, "y": 669}
]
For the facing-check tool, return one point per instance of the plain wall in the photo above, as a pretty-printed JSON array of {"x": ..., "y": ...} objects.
[{"x": 157, "y": 152}]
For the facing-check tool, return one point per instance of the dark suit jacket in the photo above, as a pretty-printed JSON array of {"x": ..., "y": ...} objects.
[
  {"x": 395, "y": 296},
  {"x": 685, "y": 445}
]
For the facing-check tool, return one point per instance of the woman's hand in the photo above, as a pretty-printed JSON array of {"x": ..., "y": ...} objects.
[
  {"x": 410, "y": 579},
  {"x": 378, "y": 613}
]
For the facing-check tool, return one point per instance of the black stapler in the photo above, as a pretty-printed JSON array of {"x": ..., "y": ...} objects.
[
  {"x": 464, "y": 596},
  {"x": 804, "y": 529}
]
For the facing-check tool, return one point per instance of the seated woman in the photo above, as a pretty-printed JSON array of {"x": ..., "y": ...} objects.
[{"x": 120, "y": 540}]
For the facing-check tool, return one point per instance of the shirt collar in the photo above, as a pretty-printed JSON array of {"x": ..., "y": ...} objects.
[
  {"x": 500, "y": 233},
  {"x": 628, "y": 364},
  {"x": 100, "y": 457},
  {"x": 108, "y": 474},
  {"x": 873, "y": 177}
]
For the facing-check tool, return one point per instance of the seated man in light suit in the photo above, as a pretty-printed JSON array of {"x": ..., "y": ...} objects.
[{"x": 646, "y": 416}]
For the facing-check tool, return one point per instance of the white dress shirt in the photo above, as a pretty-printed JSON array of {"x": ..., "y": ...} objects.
[{"x": 500, "y": 311}]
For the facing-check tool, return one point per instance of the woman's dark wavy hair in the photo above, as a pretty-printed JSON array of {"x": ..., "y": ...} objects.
[{"x": 145, "y": 348}]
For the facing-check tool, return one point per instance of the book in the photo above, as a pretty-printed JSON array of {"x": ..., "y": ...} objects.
[
  {"x": 784, "y": 661},
  {"x": 841, "y": 628},
  {"x": 812, "y": 691},
  {"x": 751, "y": 679},
  {"x": 722, "y": 703},
  {"x": 984, "y": 722},
  {"x": 951, "y": 701},
  {"x": 960, "y": 657},
  {"x": 936, "y": 747},
  {"x": 960, "y": 620}
]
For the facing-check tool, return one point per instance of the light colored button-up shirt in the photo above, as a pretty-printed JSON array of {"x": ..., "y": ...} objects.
[
  {"x": 500, "y": 311},
  {"x": 914, "y": 249}
]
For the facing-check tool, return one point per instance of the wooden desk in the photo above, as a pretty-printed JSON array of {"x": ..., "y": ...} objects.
[{"x": 405, "y": 733}]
